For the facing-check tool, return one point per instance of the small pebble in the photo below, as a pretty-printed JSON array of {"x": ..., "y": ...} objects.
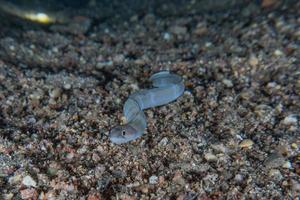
[
  {"x": 144, "y": 189},
  {"x": 253, "y": 61},
  {"x": 164, "y": 141},
  {"x": 29, "y": 193},
  {"x": 153, "y": 179},
  {"x": 247, "y": 143},
  {"x": 220, "y": 148},
  {"x": 167, "y": 36},
  {"x": 228, "y": 83},
  {"x": 290, "y": 120},
  {"x": 55, "y": 93},
  {"x": 101, "y": 65},
  {"x": 274, "y": 160},
  {"x": 28, "y": 181},
  {"x": 268, "y": 3},
  {"x": 295, "y": 186},
  {"x": 201, "y": 29},
  {"x": 8, "y": 196},
  {"x": 14, "y": 179},
  {"x": 93, "y": 197},
  {"x": 277, "y": 52},
  {"x": 287, "y": 165},
  {"x": 67, "y": 86},
  {"x": 179, "y": 30},
  {"x": 276, "y": 174},
  {"x": 283, "y": 150},
  {"x": 210, "y": 157},
  {"x": 294, "y": 146},
  {"x": 35, "y": 96},
  {"x": 178, "y": 179},
  {"x": 238, "y": 178},
  {"x": 119, "y": 58}
]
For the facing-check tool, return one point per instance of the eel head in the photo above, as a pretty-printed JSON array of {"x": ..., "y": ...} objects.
[{"x": 122, "y": 134}]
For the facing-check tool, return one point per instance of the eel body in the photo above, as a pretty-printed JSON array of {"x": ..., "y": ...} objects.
[{"x": 166, "y": 88}]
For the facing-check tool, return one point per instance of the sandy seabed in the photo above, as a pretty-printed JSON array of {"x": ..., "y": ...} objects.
[{"x": 233, "y": 134}]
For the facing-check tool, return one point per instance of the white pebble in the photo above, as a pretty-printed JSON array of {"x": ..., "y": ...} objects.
[
  {"x": 287, "y": 165},
  {"x": 164, "y": 141},
  {"x": 228, "y": 83},
  {"x": 290, "y": 120},
  {"x": 277, "y": 52},
  {"x": 167, "y": 36},
  {"x": 210, "y": 157},
  {"x": 28, "y": 181},
  {"x": 153, "y": 179}
]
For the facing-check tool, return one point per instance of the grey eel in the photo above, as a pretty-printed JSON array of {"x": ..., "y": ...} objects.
[{"x": 167, "y": 87}]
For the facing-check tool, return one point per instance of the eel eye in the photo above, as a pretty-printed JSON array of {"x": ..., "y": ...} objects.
[{"x": 123, "y": 132}]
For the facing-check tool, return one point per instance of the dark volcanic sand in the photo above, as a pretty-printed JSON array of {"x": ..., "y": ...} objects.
[{"x": 234, "y": 134}]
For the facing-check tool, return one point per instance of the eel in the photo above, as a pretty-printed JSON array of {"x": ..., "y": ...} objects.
[{"x": 167, "y": 87}]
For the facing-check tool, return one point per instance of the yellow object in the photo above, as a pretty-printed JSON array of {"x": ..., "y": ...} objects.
[
  {"x": 32, "y": 15},
  {"x": 39, "y": 17},
  {"x": 294, "y": 146}
]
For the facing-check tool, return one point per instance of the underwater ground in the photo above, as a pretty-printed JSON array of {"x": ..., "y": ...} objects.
[{"x": 233, "y": 134}]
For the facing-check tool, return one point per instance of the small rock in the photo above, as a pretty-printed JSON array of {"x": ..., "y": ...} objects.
[
  {"x": 178, "y": 179},
  {"x": 103, "y": 64},
  {"x": 181, "y": 197},
  {"x": 201, "y": 29},
  {"x": 94, "y": 197},
  {"x": 285, "y": 183},
  {"x": 96, "y": 157},
  {"x": 2, "y": 77},
  {"x": 253, "y": 61},
  {"x": 275, "y": 173},
  {"x": 28, "y": 181},
  {"x": 295, "y": 186},
  {"x": 143, "y": 188},
  {"x": 294, "y": 146},
  {"x": 67, "y": 86},
  {"x": 287, "y": 165},
  {"x": 247, "y": 143},
  {"x": 167, "y": 36},
  {"x": 119, "y": 173},
  {"x": 290, "y": 120},
  {"x": 277, "y": 52},
  {"x": 127, "y": 197},
  {"x": 210, "y": 157},
  {"x": 35, "y": 96},
  {"x": 150, "y": 19},
  {"x": 164, "y": 141},
  {"x": 279, "y": 108},
  {"x": 119, "y": 58},
  {"x": 161, "y": 180},
  {"x": 153, "y": 179},
  {"x": 220, "y": 148},
  {"x": 134, "y": 18},
  {"x": 268, "y": 3},
  {"x": 228, "y": 83},
  {"x": 283, "y": 150},
  {"x": 179, "y": 30},
  {"x": 274, "y": 160},
  {"x": 8, "y": 196},
  {"x": 15, "y": 179},
  {"x": 238, "y": 178},
  {"x": 29, "y": 193},
  {"x": 55, "y": 93}
]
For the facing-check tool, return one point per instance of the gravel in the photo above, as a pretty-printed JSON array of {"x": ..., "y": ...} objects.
[{"x": 233, "y": 134}]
